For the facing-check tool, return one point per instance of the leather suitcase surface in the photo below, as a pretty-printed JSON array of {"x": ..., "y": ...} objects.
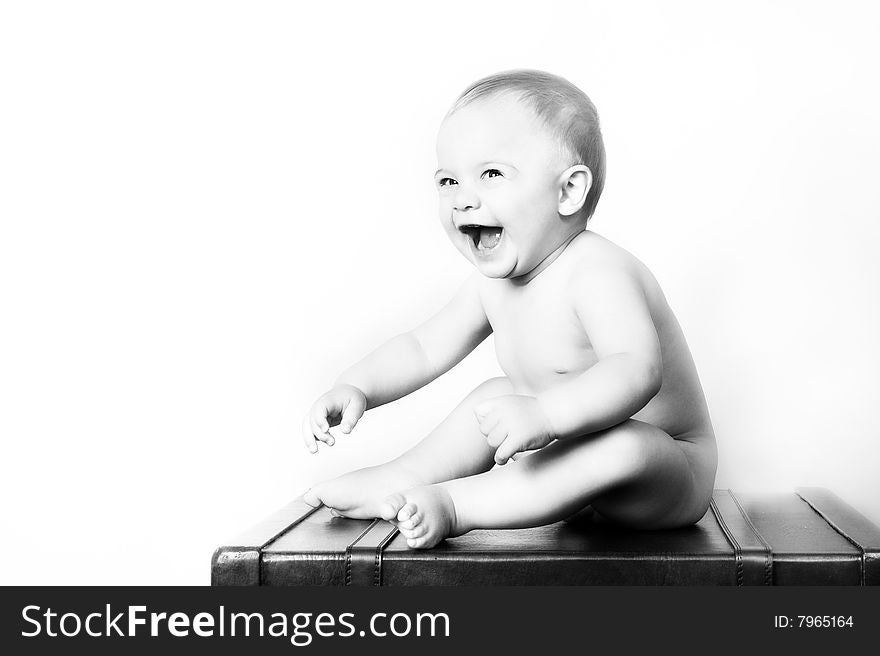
[{"x": 810, "y": 537}]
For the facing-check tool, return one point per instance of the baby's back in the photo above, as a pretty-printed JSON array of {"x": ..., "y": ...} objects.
[{"x": 540, "y": 341}]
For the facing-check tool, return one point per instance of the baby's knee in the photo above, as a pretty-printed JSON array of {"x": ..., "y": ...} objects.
[{"x": 633, "y": 449}]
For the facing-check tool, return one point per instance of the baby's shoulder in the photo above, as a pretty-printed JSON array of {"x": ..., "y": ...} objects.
[
  {"x": 600, "y": 272},
  {"x": 595, "y": 258}
]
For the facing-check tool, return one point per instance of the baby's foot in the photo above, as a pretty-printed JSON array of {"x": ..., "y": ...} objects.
[
  {"x": 359, "y": 494},
  {"x": 424, "y": 515}
]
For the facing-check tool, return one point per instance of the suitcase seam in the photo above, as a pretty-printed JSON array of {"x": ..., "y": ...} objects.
[
  {"x": 350, "y": 547},
  {"x": 380, "y": 548},
  {"x": 768, "y": 552},
  {"x": 737, "y": 555},
  {"x": 268, "y": 542},
  {"x": 839, "y": 531}
]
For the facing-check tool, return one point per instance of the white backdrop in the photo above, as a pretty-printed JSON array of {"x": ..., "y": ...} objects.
[{"x": 210, "y": 208}]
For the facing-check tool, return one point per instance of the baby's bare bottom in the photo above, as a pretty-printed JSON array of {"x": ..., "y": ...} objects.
[{"x": 633, "y": 473}]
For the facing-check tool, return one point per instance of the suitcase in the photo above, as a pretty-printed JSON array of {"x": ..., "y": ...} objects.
[{"x": 810, "y": 537}]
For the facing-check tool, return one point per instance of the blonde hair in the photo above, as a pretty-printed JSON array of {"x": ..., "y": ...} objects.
[{"x": 563, "y": 108}]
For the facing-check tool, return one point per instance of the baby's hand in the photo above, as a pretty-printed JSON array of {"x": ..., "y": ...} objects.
[
  {"x": 343, "y": 406},
  {"x": 513, "y": 423}
]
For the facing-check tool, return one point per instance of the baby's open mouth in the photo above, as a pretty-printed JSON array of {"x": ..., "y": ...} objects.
[{"x": 485, "y": 238}]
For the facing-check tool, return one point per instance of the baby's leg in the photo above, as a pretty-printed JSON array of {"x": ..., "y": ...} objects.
[
  {"x": 633, "y": 473},
  {"x": 454, "y": 449}
]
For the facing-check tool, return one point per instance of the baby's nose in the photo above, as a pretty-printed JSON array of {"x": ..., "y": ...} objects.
[{"x": 465, "y": 199}]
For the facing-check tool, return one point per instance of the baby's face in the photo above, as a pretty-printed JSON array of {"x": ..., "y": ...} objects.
[{"x": 499, "y": 183}]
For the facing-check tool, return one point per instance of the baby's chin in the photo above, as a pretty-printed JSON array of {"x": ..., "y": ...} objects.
[
  {"x": 498, "y": 269},
  {"x": 512, "y": 269}
]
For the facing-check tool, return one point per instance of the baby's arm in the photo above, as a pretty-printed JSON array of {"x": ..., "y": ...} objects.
[
  {"x": 400, "y": 366},
  {"x": 411, "y": 360},
  {"x": 614, "y": 311}
]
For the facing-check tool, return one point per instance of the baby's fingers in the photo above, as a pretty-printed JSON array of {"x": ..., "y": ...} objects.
[
  {"x": 312, "y": 433},
  {"x": 323, "y": 412},
  {"x": 484, "y": 409},
  {"x": 323, "y": 435},
  {"x": 506, "y": 451},
  {"x": 496, "y": 436},
  {"x": 354, "y": 410},
  {"x": 308, "y": 435},
  {"x": 487, "y": 422}
]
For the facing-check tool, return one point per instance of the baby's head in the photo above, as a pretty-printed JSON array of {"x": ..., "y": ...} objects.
[{"x": 521, "y": 168}]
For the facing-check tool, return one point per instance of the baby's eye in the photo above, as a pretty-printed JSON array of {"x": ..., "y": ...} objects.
[
  {"x": 492, "y": 173},
  {"x": 445, "y": 182}
]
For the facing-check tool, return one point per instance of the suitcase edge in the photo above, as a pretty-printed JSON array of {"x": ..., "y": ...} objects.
[
  {"x": 239, "y": 562},
  {"x": 852, "y": 525}
]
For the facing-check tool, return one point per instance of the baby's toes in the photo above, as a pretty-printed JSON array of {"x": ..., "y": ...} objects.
[
  {"x": 407, "y": 533},
  {"x": 392, "y": 506},
  {"x": 412, "y": 522},
  {"x": 409, "y": 511},
  {"x": 418, "y": 531},
  {"x": 416, "y": 543},
  {"x": 311, "y": 497}
]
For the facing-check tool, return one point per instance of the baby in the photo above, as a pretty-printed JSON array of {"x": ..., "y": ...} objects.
[{"x": 601, "y": 396}]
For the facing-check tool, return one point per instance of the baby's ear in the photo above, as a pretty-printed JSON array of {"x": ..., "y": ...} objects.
[{"x": 574, "y": 184}]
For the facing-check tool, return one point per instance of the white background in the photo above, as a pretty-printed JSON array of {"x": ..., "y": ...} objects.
[{"x": 210, "y": 208}]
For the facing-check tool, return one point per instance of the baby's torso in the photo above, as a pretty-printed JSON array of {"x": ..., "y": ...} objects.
[{"x": 540, "y": 341}]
